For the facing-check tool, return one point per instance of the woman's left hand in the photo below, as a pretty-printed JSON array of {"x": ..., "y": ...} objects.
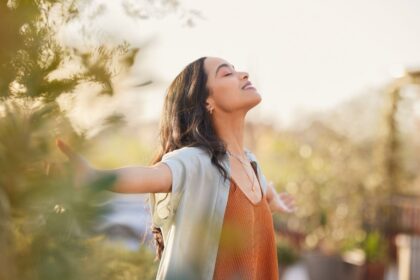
[
  {"x": 281, "y": 202},
  {"x": 285, "y": 202}
]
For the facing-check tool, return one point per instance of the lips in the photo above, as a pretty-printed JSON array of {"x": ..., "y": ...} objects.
[{"x": 247, "y": 84}]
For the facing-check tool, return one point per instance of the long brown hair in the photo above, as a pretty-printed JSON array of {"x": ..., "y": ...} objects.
[{"x": 186, "y": 122}]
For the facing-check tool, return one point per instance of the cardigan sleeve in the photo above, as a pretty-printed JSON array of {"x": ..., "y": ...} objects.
[
  {"x": 182, "y": 167},
  {"x": 178, "y": 166}
]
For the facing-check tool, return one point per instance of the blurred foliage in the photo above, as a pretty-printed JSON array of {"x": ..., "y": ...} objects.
[
  {"x": 34, "y": 64},
  {"x": 287, "y": 254},
  {"x": 342, "y": 184},
  {"x": 328, "y": 174},
  {"x": 375, "y": 247},
  {"x": 47, "y": 227}
]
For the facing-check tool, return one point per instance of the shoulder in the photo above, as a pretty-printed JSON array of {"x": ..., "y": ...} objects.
[
  {"x": 250, "y": 155},
  {"x": 187, "y": 154}
]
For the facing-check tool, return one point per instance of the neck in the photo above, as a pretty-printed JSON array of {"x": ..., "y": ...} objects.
[{"x": 230, "y": 130}]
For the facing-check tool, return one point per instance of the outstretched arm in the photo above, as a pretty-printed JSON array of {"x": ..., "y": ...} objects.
[
  {"x": 130, "y": 179},
  {"x": 140, "y": 179},
  {"x": 279, "y": 202}
]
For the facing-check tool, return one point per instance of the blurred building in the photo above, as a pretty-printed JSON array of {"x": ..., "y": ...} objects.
[{"x": 129, "y": 221}]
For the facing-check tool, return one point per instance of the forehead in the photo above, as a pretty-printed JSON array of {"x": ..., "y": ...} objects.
[{"x": 211, "y": 64}]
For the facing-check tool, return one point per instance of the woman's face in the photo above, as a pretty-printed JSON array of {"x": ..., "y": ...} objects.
[{"x": 230, "y": 90}]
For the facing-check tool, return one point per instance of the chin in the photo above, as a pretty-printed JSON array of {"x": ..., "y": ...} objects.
[
  {"x": 257, "y": 99},
  {"x": 254, "y": 101}
]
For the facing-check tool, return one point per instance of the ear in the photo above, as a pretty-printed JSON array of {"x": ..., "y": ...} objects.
[{"x": 209, "y": 103}]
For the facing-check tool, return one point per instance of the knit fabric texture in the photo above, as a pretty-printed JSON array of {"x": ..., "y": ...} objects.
[{"x": 247, "y": 248}]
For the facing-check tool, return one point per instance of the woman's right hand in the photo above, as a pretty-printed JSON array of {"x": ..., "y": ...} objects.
[
  {"x": 128, "y": 179},
  {"x": 83, "y": 170}
]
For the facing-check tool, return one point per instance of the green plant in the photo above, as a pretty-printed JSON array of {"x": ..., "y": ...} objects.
[
  {"x": 47, "y": 226},
  {"x": 374, "y": 247},
  {"x": 286, "y": 253}
]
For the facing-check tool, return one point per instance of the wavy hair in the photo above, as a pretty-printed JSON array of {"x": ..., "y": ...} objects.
[{"x": 186, "y": 122}]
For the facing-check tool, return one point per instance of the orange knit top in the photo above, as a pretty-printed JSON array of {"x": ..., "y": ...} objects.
[{"x": 247, "y": 248}]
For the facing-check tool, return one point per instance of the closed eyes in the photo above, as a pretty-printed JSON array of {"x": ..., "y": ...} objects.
[{"x": 223, "y": 65}]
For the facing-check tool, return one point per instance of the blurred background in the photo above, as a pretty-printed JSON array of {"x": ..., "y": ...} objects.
[{"x": 338, "y": 128}]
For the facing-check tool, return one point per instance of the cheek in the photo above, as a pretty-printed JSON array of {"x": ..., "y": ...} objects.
[{"x": 225, "y": 97}]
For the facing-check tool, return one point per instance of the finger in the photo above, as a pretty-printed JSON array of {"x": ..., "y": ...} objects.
[
  {"x": 289, "y": 199},
  {"x": 285, "y": 196},
  {"x": 65, "y": 148},
  {"x": 291, "y": 203},
  {"x": 56, "y": 168},
  {"x": 294, "y": 208},
  {"x": 291, "y": 206},
  {"x": 47, "y": 167},
  {"x": 284, "y": 207}
]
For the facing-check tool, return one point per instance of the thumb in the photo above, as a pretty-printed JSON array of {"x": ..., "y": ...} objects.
[{"x": 65, "y": 149}]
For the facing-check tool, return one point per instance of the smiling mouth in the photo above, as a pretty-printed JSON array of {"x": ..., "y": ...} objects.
[{"x": 248, "y": 85}]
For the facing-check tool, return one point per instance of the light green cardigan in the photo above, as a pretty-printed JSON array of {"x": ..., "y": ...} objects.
[{"x": 191, "y": 215}]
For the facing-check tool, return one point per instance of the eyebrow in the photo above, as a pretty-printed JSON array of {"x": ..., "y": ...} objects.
[{"x": 223, "y": 65}]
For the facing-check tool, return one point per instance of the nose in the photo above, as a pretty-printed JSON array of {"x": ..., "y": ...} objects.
[{"x": 244, "y": 75}]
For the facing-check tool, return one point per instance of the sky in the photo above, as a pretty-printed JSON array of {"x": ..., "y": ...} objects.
[{"x": 305, "y": 55}]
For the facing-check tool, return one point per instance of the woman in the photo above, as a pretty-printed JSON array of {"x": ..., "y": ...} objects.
[{"x": 209, "y": 198}]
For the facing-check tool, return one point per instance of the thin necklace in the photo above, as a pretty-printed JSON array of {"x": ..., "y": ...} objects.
[{"x": 246, "y": 172}]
